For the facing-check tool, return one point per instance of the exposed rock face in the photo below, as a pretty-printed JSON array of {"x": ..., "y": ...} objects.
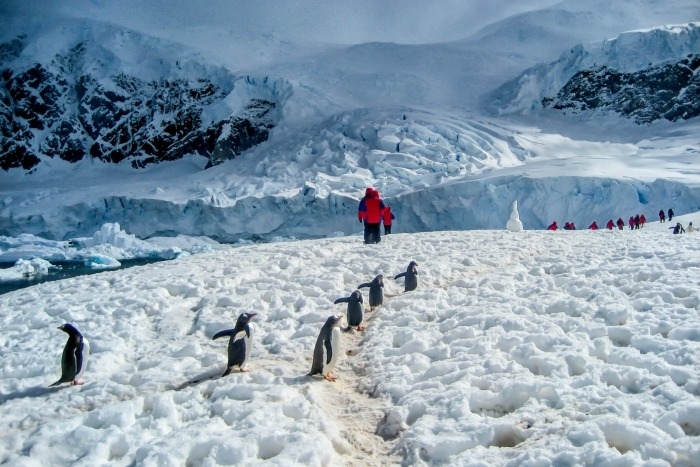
[
  {"x": 644, "y": 75},
  {"x": 63, "y": 109},
  {"x": 670, "y": 91}
]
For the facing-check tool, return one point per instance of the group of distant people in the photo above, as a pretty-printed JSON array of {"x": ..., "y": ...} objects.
[
  {"x": 373, "y": 213},
  {"x": 662, "y": 216},
  {"x": 634, "y": 222},
  {"x": 678, "y": 228}
]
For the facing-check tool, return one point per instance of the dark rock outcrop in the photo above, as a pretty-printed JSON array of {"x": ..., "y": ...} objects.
[
  {"x": 670, "y": 92},
  {"x": 64, "y": 110}
]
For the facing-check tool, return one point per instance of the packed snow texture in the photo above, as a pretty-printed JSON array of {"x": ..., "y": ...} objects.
[{"x": 567, "y": 347}]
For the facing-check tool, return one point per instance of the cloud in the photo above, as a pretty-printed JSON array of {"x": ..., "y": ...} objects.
[{"x": 329, "y": 21}]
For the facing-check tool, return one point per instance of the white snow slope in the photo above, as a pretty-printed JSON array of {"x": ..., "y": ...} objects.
[{"x": 528, "y": 348}]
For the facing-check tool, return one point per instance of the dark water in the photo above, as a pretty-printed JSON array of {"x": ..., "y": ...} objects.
[{"x": 64, "y": 270}]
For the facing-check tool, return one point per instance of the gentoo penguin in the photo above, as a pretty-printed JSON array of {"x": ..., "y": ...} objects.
[
  {"x": 75, "y": 356},
  {"x": 240, "y": 344},
  {"x": 327, "y": 349},
  {"x": 411, "y": 275},
  {"x": 355, "y": 310},
  {"x": 376, "y": 291}
]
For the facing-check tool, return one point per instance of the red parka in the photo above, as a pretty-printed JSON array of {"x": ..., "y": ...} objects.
[
  {"x": 387, "y": 216},
  {"x": 371, "y": 207}
]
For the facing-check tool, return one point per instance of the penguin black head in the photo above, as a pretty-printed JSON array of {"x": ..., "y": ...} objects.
[
  {"x": 69, "y": 329},
  {"x": 356, "y": 296},
  {"x": 244, "y": 318},
  {"x": 334, "y": 320},
  {"x": 379, "y": 279},
  {"x": 412, "y": 266}
]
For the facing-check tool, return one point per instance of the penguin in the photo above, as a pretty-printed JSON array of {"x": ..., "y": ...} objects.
[
  {"x": 376, "y": 291},
  {"x": 240, "y": 344},
  {"x": 75, "y": 356},
  {"x": 327, "y": 349},
  {"x": 355, "y": 310},
  {"x": 411, "y": 275}
]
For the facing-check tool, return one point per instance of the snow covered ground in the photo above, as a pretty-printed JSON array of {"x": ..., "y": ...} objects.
[{"x": 517, "y": 348}]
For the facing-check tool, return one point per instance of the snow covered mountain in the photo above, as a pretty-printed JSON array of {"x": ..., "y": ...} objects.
[
  {"x": 113, "y": 95},
  {"x": 167, "y": 126},
  {"x": 644, "y": 75}
]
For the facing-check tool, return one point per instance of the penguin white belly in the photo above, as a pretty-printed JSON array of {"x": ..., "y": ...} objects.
[
  {"x": 335, "y": 352},
  {"x": 86, "y": 355},
  {"x": 248, "y": 345}
]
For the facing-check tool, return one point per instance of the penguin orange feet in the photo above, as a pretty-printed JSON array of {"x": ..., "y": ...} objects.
[
  {"x": 360, "y": 328},
  {"x": 77, "y": 383},
  {"x": 245, "y": 370},
  {"x": 330, "y": 377}
]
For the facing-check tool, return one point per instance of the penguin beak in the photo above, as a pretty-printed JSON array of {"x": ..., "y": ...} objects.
[{"x": 252, "y": 314}]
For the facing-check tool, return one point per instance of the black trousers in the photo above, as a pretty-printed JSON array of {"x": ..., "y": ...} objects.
[
  {"x": 387, "y": 229},
  {"x": 372, "y": 233}
]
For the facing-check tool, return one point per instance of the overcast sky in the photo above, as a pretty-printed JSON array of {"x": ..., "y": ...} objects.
[{"x": 328, "y": 21}]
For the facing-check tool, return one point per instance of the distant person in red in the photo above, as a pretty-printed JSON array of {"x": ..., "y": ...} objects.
[
  {"x": 637, "y": 221},
  {"x": 620, "y": 223},
  {"x": 370, "y": 212},
  {"x": 552, "y": 226},
  {"x": 642, "y": 220},
  {"x": 567, "y": 226},
  {"x": 662, "y": 216},
  {"x": 593, "y": 226},
  {"x": 631, "y": 222},
  {"x": 610, "y": 225},
  {"x": 387, "y": 218}
]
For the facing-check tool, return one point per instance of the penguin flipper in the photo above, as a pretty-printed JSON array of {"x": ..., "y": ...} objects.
[
  {"x": 366, "y": 284},
  {"x": 57, "y": 383},
  {"x": 347, "y": 329},
  {"x": 342, "y": 300},
  {"x": 224, "y": 333},
  {"x": 329, "y": 350},
  {"x": 403, "y": 274}
]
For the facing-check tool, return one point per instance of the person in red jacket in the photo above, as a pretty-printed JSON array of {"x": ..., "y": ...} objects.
[
  {"x": 593, "y": 226},
  {"x": 620, "y": 223},
  {"x": 610, "y": 225},
  {"x": 642, "y": 220},
  {"x": 370, "y": 212},
  {"x": 552, "y": 226},
  {"x": 631, "y": 222},
  {"x": 387, "y": 218}
]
